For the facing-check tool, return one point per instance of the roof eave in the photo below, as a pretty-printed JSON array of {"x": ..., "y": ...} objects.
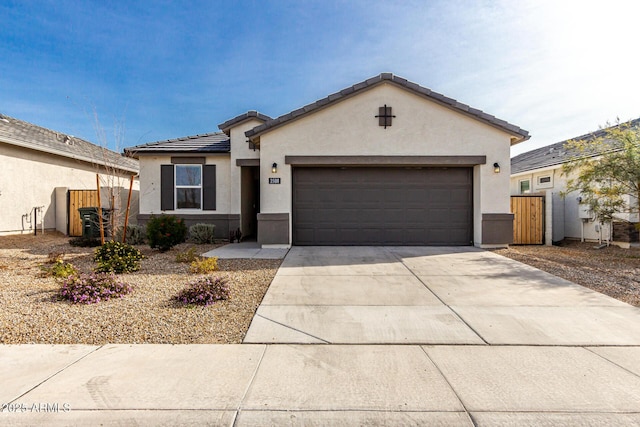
[
  {"x": 81, "y": 158},
  {"x": 242, "y": 118},
  {"x": 136, "y": 153},
  {"x": 517, "y": 134}
]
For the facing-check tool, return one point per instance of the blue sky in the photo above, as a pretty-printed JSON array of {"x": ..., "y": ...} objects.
[{"x": 163, "y": 69}]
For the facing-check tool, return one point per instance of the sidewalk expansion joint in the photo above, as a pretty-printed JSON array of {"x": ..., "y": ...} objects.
[
  {"x": 439, "y": 299},
  {"x": 246, "y": 391},
  {"x": 611, "y": 361},
  {"x": 293, "y": 329},
  {"x": 56, "y": 373},
  {"x": 466, "y": 411}
]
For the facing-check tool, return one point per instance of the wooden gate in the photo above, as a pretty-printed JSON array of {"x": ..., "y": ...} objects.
[
  {"x": 79, "y": 199},
  {"x": 528, "y": 221}
]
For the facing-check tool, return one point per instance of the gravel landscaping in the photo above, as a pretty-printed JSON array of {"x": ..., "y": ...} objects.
[
  {"x": 30, "y": 312},
  {"x": 611, "y": 270}
]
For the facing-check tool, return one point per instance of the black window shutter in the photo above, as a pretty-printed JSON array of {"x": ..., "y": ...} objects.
[
  {"x": 382, "y": 113},
  {"x": 166, "y": 188},
  {"x": 209, "y": 187}
]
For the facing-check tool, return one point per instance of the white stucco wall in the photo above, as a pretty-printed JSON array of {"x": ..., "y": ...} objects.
[
  {"x": 29, "y": 179},
  {"x": 421, "y": 127},
  {"x": 150, "y": 184}
]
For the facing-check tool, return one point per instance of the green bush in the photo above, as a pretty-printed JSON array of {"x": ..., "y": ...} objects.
[
  {"x": 165, "y": 231},
  {"x": 117, "y": 257},
  {"x": 204, "y": 265},
  {"x": 202, "y": 233},
  {"x": 190, "y": 255},
  {"x": 136, "y": 234},
  {"x": 204, "y": 291},
  {"x": 59, "y": 269}
]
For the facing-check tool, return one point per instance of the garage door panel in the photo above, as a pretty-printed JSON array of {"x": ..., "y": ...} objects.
[
  {"x": 458, "y": 195},
  {"x": 458, "y": 217},
  {"x": 383, "y": 206}
]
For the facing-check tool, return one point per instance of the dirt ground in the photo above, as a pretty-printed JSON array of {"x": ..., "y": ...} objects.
[{"x": 611, "y": 270}]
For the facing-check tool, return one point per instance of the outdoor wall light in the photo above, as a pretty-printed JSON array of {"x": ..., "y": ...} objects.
[
  {"x": 274, "y": 168},
  {"x": 496, "y": 168}
]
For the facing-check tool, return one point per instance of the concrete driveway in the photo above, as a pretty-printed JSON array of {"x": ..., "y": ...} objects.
[{"x": 432, "y": 295}]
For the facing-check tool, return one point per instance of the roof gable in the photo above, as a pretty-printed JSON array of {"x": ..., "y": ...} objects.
[
  {"x": 517, "y": 133},
  {"x": 216, "y": 142},
  {"x": 27, "y": 135},
  {"x": 249, "y": 115},
  {"x": 558, "y": 153}
]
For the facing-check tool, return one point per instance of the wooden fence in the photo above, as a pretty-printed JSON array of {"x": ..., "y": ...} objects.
[
  {"x": 79, "y": 199},
  {"x": 528, "y": 221}
]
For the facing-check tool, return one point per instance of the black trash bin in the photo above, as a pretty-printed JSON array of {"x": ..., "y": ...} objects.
[{"x": 91, "y": 222}]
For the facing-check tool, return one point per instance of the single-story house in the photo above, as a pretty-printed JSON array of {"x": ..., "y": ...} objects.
[
  {"x": 43, "y": 169},
  {"x": 540, "y": 172},
  {"x": 382, "y": 162}
]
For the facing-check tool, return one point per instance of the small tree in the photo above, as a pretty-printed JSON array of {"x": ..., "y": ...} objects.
[
  {"x": 606, "y": 171},
  {"x": 112, "y": 171}
]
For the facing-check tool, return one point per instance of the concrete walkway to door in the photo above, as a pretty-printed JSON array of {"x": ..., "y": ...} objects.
[{"x": 432, "y": 295}]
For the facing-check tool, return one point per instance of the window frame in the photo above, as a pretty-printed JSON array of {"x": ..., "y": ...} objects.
[
  {"x": 177, "y": 187},
  {"x": 520, "y": 182},
  {"x": 541, "y": 184}
]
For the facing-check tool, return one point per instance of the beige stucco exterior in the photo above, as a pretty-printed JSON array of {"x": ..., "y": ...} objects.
[
  {"x": 421, "y": 128},
  {"x": 240, "y": 150},
  {"x": 341, "y": 130},
  {"x": 30, "y": 179},
  {"x": 150, "y": 185}
]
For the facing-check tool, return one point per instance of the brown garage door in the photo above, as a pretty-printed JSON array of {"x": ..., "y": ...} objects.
[{"x": 382, "y": 206}]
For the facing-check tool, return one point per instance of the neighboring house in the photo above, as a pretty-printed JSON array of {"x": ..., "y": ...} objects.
[
  {"x": 383, "y": 162},
  {"x": 40, "y": 167},
  {"x": 540, "y": 172}
]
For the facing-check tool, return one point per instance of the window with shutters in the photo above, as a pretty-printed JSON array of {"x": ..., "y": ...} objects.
[{"x": 188, "y": 187}]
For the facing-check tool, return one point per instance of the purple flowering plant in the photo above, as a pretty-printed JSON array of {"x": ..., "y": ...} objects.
[
  {"x": 93, "y": 288},
  {"x": 204, "y": 291}
]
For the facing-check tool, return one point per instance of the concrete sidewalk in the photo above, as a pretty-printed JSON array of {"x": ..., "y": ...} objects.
[{"x": 256, "y": 385}]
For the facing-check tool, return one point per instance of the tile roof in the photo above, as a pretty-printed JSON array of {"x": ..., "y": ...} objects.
[
  {"x": 27, "y": 135},
  {"x": 558, "y": 153},
  {"x": 216, "y": 142},
  {"x": 252, "y": 114},
  {"x": 521, "y": 134}
]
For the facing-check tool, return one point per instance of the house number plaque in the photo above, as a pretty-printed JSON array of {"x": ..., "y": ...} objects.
[{"x": 274, "y": 180}]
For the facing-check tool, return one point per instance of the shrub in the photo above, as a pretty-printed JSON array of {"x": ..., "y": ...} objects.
[
  {"x": 59, "y": 269},
  {"x": 54, "y": 257},
  {"x": 117, "y": 257},
  {"x": 93, "y": 288},
  {"x": 136, "y": 234},
  {"x": 189, "y": 255},
  {"x": 204, "y": 291},
  {"x": 84, "y": 242},
  {"x": 165, "y": 231},
  {"x": 204, "y": 265},
  {"x": 202, "y": 233}
]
